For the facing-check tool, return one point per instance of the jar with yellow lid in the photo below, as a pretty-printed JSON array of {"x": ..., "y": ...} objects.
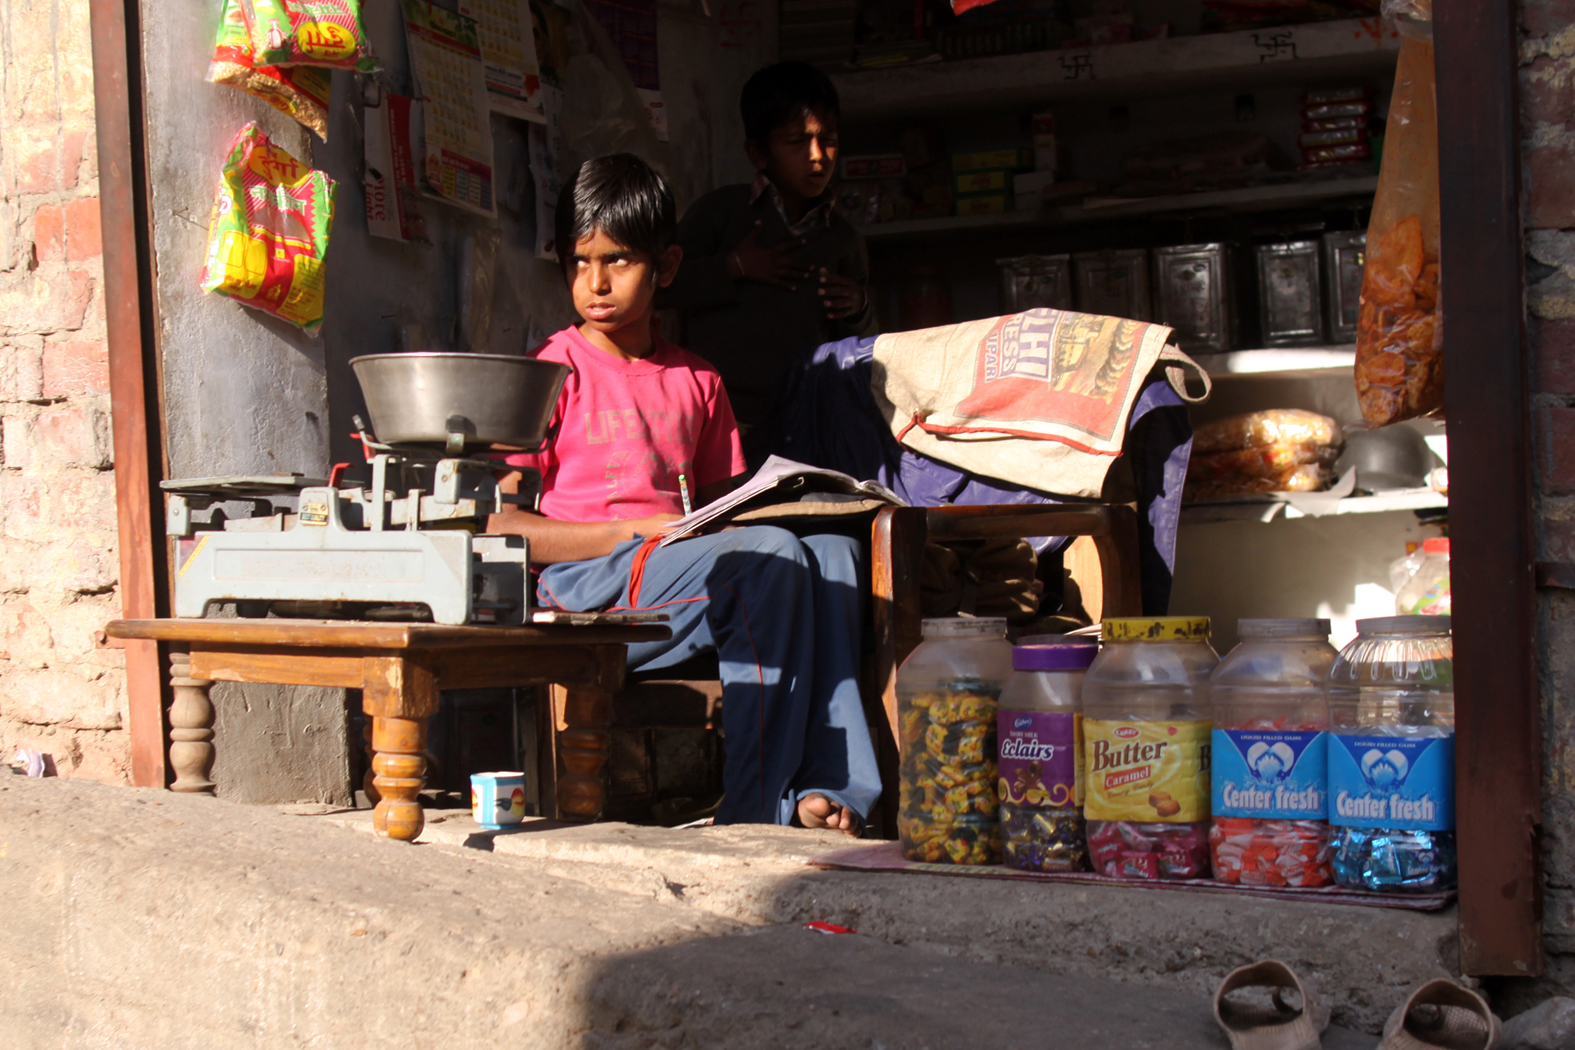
[{"x": 1146, "y": 744}]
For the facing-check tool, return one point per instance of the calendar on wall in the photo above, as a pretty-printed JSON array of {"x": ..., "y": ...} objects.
[
  {"x": 508, "y": 54},
  {"x": 445, "y": 56}
]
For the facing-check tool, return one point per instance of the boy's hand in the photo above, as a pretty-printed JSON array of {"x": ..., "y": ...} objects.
[
  {"x": 655, "y": 525},
  {"x": 750, "y": 262},
  {"x": 843, "y": 296}
]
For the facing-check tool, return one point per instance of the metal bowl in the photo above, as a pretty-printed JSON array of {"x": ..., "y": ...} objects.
[
  {"x": 1389, "y": 458},
  {"x": 459, "y": 400}
]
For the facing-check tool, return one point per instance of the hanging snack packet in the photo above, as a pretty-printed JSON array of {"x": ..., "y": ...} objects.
[
  {"x": 1399, "y": 345},
  {"x": 325, "y": 33},
  {"x": 269, "y": 231},
  {"x": 299, "y": 91}
]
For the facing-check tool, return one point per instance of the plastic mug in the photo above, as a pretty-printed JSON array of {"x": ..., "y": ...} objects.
[{"x": 497, "y": 800}]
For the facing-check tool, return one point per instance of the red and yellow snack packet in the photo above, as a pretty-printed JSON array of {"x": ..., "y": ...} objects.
[
  {"x": 299, "y": 91},
  {"x": 269, "y": 231},
  {"x": 327, "y": 33}
]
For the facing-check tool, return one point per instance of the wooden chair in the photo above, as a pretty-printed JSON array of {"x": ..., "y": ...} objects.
[
  {"x": 581, "y": 775},
  {"x": 1102, "y": 560}
]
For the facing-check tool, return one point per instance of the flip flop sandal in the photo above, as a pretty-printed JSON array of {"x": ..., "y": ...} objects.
[
  {"x": 1441, "y": 1015},
  {"x": 1278, "y": 1025}
]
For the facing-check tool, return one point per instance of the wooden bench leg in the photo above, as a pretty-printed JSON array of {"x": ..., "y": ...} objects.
[
  {"x": 400, "y": 694},
  {"x": 582, "y": 721},
  {"x": 896, "y": 564},
  {"x": 191, "y": 729}
]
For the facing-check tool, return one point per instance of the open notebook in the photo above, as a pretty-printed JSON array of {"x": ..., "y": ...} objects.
[{"x": 775, "y": 473}]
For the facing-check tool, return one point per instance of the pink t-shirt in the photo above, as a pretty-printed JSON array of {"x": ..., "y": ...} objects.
[{"x": 627, "y": 429}]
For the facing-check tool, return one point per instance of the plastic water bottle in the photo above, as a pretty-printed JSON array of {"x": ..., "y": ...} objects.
[
  {"x": 1146, "y": 739},
  {"x": 1270, "y": 776},
  {"x": 1392, "y": 756},
  {"x": 1040, "y": 737},
  {"x": 947, "y": 690}
]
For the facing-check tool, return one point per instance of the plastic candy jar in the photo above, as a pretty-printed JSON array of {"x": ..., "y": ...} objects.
[
  {"x": 1146, "y": 748},
  {"x": 946, "y": 697},
  {"x": 1426, "y": 593},
  {"x": 1040, "y": 733},
  {"x": 1392, "y": 756},
  {"x": 1270, "y": 778}
]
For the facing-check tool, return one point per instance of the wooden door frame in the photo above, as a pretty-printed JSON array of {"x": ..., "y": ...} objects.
[
  {"x": 135, "y": 418},
  {"x": 1487, "y": 410},
  {"x": 1498, "y": 756}
]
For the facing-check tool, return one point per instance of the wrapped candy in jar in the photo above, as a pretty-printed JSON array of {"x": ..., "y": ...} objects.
[
  {"x": 1426, "y": 592},
  {"x": 1392, "y": 756},
  {"x": 947, "y": 691},
  {"x": 1146, "y": 748},
  {"x": 1040, "y": 735},
  {"x": 1270, "y": 763}
]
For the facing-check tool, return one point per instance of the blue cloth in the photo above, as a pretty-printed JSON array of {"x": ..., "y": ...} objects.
[
  {"x": 784, "y": 616},
  {"x": 830, "y": 420}
]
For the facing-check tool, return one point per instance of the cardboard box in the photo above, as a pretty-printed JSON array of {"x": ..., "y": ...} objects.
[
  {"x": 874, "y": 166},
  {"x": 1028, "y": 188},
  {"x": 990, "y": 204},
  {"x": 973, "y": 182},
  {"x": 1042, "y": 125},
  {"x": 1015, "y": 158}
]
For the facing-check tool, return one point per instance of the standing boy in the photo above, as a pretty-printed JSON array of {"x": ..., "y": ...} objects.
[
  {"x": 639, "y": 421},
  {"x": 772, "y": 270}
]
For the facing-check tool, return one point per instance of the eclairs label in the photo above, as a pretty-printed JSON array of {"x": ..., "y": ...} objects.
[
  {"x": 1272, "y": 774},
  {"x": 1147, "y": 771},
  {"x": 1041, "y": 758},
  {"x": 1400, "y": 783}
]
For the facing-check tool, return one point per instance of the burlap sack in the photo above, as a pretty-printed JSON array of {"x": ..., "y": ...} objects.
[{"x": 1038, "y": 399}]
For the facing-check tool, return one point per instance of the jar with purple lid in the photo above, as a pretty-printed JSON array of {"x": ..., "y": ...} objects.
[{"x": 1040, "y": 741}]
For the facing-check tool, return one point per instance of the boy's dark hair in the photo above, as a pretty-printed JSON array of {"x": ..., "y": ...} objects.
[
  {"x": 783, "y": 92},
  {"x": 622, "y": 196}
]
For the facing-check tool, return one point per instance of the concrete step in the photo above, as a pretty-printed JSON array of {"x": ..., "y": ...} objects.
[
  {"x": 1364, "y": 961},
  {"x": 146, "y": 919}
]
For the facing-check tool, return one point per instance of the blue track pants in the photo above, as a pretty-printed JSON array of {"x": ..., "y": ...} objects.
[{"x": 783, "y": 615}]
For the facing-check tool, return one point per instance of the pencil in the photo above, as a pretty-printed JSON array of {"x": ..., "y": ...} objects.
[{"x": 683, "y": 490}]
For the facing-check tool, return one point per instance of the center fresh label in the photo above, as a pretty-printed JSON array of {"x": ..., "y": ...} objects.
[
  {"x": 1274, "y": 774},
  {"x": 1147, "y": 771},
  {"x": 1396, "y": 782},
  {"x": 1041, "y": 758}
]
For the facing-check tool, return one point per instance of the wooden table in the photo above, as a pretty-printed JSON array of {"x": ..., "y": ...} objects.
[{"x": 400, "y": 669}]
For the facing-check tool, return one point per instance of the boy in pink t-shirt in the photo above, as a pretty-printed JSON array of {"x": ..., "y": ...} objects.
[{"x": 641, "y": 424}]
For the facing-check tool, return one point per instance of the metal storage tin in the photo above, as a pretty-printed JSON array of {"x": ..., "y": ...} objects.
[
  {"x": 1036, "y": 280},
  {"x": 1290, "y": 294},
  {"x": 1113, "y": 283},
  {"x": 1344, "y": 255},
  {"x": 1192, "y": 294}
]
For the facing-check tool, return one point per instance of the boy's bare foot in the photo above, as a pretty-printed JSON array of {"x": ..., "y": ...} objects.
[{"x": 818, "y": 811}]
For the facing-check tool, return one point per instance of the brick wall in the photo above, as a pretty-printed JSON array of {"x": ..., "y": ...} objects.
[{"x": 59, "y": 692}]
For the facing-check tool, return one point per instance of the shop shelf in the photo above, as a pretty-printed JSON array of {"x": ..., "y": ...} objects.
[
  {"x": 1303, "y": 362},
  {"x": 1268, "y": 508},
  {"x": 1354, "y": 49},
  {"x": 1251, "y": 198}
]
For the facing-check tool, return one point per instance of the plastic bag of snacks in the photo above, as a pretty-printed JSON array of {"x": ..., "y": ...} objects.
[
  {"x": 1261, "y": 429},
  {"x": 269, "y": 231},
  {"x": 299, "y": 91},
  {"x": 326, "y": 33},
  {"x": 1399, "y": 349},
  {"x": 1277, "y": 450}
]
